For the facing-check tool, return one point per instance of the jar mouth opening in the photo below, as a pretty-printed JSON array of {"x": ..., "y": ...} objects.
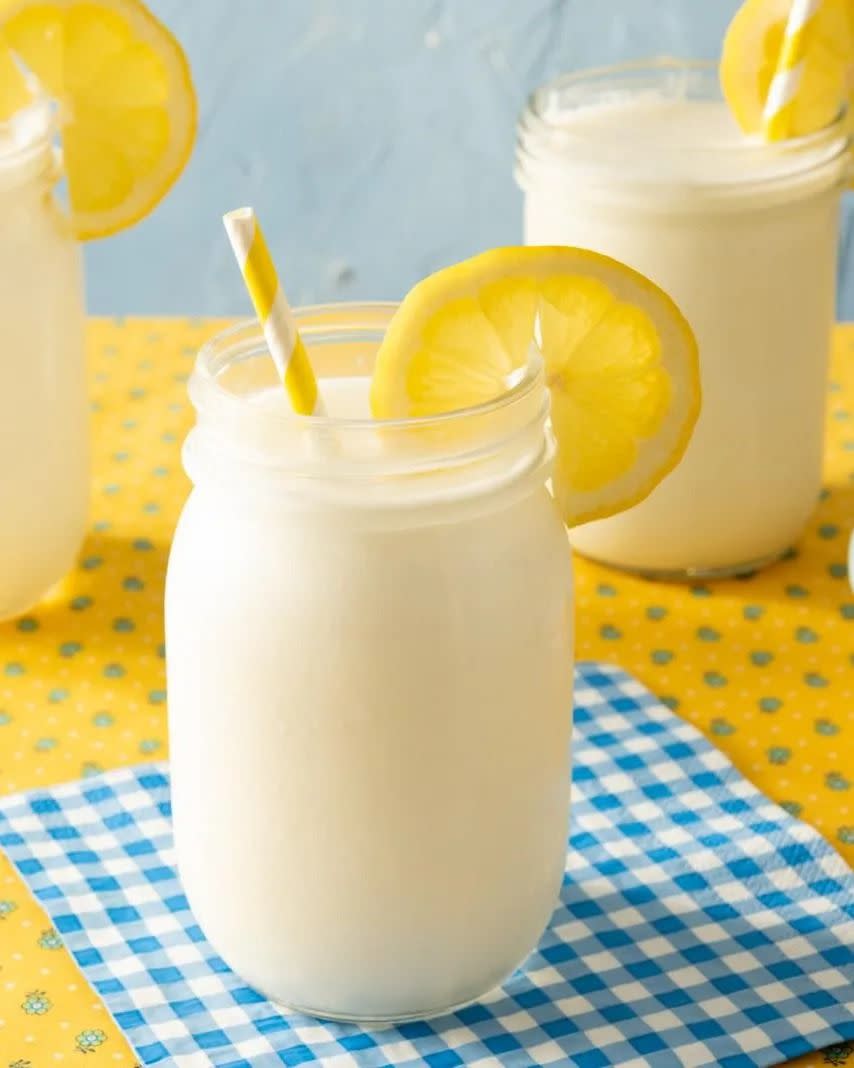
[
  {"x": 356, "y": 322},
  {"x": 244, "y": 422},
  {"x": 547, "y": 133}
]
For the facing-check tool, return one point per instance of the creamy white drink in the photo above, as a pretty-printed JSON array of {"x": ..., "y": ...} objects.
[
  {"x": 646, "y": 165},
  {"x": 369, "y": 665},
  {"x": 44, "y": 456}
]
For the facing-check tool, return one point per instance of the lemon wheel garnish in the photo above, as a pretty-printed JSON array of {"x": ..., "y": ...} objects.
[
  {"x": 749, "y": 61},
  {"x": 620, "y": 360},
  {"x": 126, "y": 98}
]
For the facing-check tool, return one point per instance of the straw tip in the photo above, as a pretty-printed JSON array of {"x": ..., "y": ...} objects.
[{"x": 237, "y": 216}]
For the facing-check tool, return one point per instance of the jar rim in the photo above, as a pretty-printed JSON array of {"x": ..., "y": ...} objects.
[
  {"x": 544, "y": 135},
  {"x": 233, "y": 372},
  {"x": 318, "y": 322},
  {"x": 26, "y": 137}
]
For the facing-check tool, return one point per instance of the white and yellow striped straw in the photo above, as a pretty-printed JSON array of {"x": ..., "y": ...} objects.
[
  {"x": 782, "y": 93},
  {"x": 273, "y": 311}
]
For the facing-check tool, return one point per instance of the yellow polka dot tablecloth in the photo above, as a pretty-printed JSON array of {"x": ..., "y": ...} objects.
[{"x": 764, "y": 666}]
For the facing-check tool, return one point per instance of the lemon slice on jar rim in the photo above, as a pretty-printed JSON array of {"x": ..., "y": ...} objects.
[
  {"x": 620, "y": 361},
  {"x": 127, "y": 107},
  {"x": 825, "y": 80}
]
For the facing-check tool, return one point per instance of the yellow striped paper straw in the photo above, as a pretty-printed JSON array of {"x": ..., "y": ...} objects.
[
  {"x": 273, "y": 311},
  {"x": 782, "y": 93}
]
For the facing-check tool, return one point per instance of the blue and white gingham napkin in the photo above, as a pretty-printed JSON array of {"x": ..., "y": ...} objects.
[{"x": 699, "y": 924}]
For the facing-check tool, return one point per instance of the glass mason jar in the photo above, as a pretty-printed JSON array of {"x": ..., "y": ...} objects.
[
  {"x": 369, "y": 664},
  {"x": 44, "y": 454},
  {"x": 644, "y": 163}
]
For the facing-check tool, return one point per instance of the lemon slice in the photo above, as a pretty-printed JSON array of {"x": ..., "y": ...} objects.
[
  {"x": 620, "y": 359},
  {"x": 127, "y": 104},
  {"x": 749, "y": 61}
]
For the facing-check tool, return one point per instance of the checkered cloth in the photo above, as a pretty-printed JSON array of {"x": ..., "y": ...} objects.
[{"x": 699, "y": 924}]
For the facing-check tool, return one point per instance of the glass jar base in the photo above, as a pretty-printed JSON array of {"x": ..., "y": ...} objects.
[
  {"x": 692, "y": 574},
  {"x": 10, "y": 611},
  {"x": 381, "y": 1021},
  {"x": 392, "y": 1020}
]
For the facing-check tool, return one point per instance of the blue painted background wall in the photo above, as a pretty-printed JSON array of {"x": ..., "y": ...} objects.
[{"x": 375, "y": 137}]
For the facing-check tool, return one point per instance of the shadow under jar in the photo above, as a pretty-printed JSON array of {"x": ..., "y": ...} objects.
[
  {"x": 370, "y": 682},
  {"x": 644, "y": 163},
  {"x": 44, "y": 447}
]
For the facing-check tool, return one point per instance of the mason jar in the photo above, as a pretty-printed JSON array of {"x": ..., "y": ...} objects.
[
  {"x": 644, "y": 163},
  {"x": 368, "y": 636},
  {"x": 44, "y": 454}
]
